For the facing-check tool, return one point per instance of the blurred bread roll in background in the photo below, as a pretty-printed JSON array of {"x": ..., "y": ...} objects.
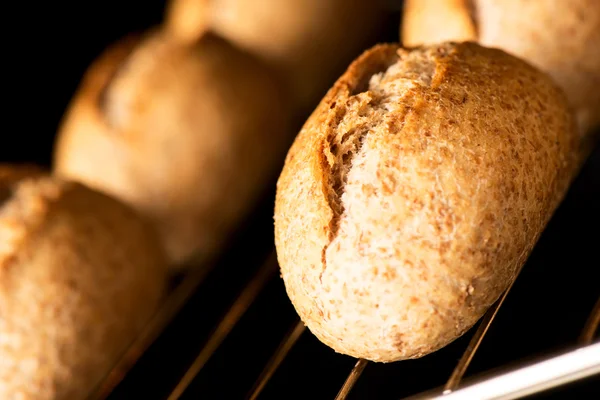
[
  {"x": 188, "y": 19},
  {"x": 80, "y": 277},
  {"x": 416, "y": 191},
  {"x": 311, "y": 42},
  {"x": 188, "y": 134},
  {"x": 561, "y": 38},
  {"x": 435, "y": 21}
]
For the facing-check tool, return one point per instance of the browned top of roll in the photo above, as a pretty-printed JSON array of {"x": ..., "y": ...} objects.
[
  {"x": 186, "y": 133},
  {"x": 415, "y": 191},
  {"x": 559, "y": 37}
]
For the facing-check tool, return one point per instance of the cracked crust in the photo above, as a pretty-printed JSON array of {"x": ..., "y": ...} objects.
[
  {"x": 560, "y": 38},
  {"x": 187, "y": 134},
  {"x": 415, "y": 191},
  {"x": 80, "y": 277}
]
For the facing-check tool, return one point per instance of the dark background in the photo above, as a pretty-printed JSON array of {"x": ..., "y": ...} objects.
[{"x": 46, "y": 49}]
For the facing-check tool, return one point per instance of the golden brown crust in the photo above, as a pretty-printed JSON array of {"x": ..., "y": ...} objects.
[
  {"x": 560, "y": 38},
  {"x": 414, "y": 192},
  {"x": 22, "y": 207},
  {"x": 186, "y": 133},
  {"x": 78, "y": 289}
]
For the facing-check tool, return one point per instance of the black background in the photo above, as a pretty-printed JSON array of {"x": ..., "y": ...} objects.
[{"x": 47, "y": 47}]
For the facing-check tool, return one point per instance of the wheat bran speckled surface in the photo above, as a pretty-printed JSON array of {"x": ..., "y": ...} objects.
[
  {"x": 561, "y": 38},
  {"x": 415, "y": 191},
  {"x": 80, "y": 276}
]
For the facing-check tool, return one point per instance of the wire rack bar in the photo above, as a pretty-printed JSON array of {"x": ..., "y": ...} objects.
[
  {"x": 286, "y": 344},
  {"x": 534, "y": 378},
  {"x": 233, "y": 315},
  {"x": 591, "y": 325},
  {"x": 540, "y": 376},
  {"x": 467, "y": 357},
  {"x": 475, "y": 342},
  {"x": 165, "y": 314},
  {"x": 465, "y": 360},
  {"x": 358, "y": 369},
  {"x": 547, "y": 375}
]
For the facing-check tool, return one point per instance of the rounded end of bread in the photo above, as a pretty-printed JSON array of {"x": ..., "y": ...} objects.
[
  {"x": 192, "y": 132},
  {"x": 81, "y": 276},
  {"x": 415, "y": 192}
]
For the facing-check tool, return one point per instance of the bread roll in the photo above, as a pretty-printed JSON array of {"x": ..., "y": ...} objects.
[
  {"x": 80, "y": 276},
  {"x": 187, "y": 134},
  {"x": 414, "y": 193},
  {"x": 310, "y": 41},
  {"x": 561, "y": 38},
  {"x": 188, "y": 19},
  {"x": 434, "y": 21}
]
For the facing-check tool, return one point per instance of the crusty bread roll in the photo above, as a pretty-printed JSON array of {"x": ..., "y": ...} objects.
[
  {"x": 188, "y": 134},
  {"x": 561, "y": 38},
  {"x": 80, "y": 276},
  {"x": 310, "y": 41},
  {"x": 414, "y": 193}
]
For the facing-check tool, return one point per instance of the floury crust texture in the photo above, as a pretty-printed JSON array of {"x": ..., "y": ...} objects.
[
  {"x": 415, "y": 192},
  {"x": 559, "y": 37},
  {"x": 80, "y": 277}
]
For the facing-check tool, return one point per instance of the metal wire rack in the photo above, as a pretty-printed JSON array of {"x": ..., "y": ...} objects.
[
  {"x": 543, "y": 374},
  {"x": 523, "y": 379},
  {"x": 540, "y": 375}
]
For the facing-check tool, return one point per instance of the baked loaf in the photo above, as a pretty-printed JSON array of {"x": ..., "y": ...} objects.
[
  {"x": 310, "y": 42},
  {"x": 415, "y": 192},
  {"x": 80, "y": 276},
  {"x": 561, "y": 38},
  {"x": 187, "y": 134}
]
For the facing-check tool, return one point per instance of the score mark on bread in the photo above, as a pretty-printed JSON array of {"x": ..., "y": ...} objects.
[{"x": 415, "y": 191}]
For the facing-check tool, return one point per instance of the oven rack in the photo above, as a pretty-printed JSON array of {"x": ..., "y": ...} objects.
[
  {"x": 524, "y": 378},
  {"x": 542, "y": 374}
]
